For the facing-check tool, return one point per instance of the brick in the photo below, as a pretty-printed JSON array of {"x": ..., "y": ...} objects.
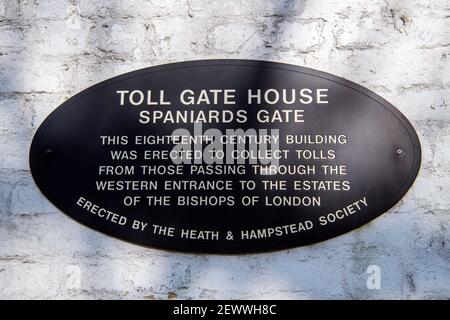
[{"x": 50, "y": 50}]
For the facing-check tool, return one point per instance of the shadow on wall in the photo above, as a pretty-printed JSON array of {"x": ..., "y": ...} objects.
[
  {"x": 112, "y": 268},
  {"x": 109, "y": 268}
]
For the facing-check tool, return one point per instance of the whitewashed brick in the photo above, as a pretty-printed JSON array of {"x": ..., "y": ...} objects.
[{"x": 50, "y": 50}]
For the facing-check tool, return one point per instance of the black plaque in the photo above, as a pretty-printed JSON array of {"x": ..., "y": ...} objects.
[{"x": 306, "y": 156}]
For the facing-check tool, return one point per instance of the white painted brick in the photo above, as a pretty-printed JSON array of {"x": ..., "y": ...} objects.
[
  {"x": 11, "y": 38},
  {"x": 301, "y": 35},
  {"x": 50, "y": 50},
  {"x": 58, "y": 37},
  {"x": 131, "y": 8},
  {"x": 16, "y": 119},
  {"x": 14, "y": 152},
  {"x": 177, "y": 35},
  {"x": 45, "y": 9},
  {"x": 9, "y": 10},
  {"x": 235, "y": 37},
  {"x": 26, "y": 73}
]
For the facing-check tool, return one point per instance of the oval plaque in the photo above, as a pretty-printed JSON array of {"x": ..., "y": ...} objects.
[{"x": 225, "y": 156}]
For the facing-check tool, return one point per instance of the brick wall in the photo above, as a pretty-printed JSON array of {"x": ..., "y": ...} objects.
[{"x": 52, "y": 49}]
